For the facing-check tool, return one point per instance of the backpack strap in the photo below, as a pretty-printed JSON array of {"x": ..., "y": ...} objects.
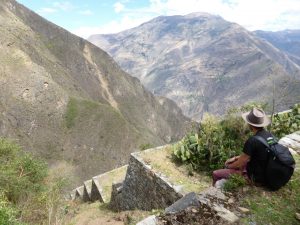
[{"x": 262, "y": 140}]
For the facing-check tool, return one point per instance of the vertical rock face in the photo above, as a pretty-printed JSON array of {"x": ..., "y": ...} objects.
[
  {"x": 204, "y": 63},
  {"x": 143, "y": 189},
  {"x": 63, "y": 98}
]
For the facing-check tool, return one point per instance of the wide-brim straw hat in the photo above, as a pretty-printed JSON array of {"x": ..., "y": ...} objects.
[{"x": 256, "y": 117}]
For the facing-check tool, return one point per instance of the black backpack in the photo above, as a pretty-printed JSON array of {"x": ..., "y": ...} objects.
[{"x": 280, "y": 164}]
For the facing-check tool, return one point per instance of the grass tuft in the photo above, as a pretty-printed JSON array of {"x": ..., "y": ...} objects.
[{"x": 72, "y": 113}]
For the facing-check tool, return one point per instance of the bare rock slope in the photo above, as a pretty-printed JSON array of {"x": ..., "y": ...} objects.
[
  {"x": 65, "y": 99},
  {"x": 285, "y": 40},
  {"x": 204, "y": 63}
]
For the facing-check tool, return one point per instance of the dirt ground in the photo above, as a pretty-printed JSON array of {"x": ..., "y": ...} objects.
[{"x": 99, "y": 213}]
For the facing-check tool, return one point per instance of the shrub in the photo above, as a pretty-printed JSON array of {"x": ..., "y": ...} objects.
[
  {"x": 234, "y": 182},
  {"x": 8, "y": 213},
  {"x": 214, "y": 143},
  {"x": 26, "y": 189},
  {"x": 219, "y": 139},
  {"x": 286, "y": 123},
  {"x": 20, "y": 173}
]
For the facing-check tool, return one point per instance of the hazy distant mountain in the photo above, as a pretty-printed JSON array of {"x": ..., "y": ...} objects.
[
  {"x": 204, "y": 63},
  {"x": 286, "y": 40},
  {"x": 67, "y": 100}
]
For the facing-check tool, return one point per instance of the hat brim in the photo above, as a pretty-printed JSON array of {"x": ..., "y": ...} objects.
[{"x": 266, "y": 122}]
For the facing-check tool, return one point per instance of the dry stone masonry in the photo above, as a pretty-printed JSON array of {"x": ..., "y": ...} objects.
[
  {"x": 143, "y": 188},
  {"x": 99, "y": 187}
]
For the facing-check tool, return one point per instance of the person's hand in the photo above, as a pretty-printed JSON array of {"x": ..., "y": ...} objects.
[{"x": 231, "y": 160}]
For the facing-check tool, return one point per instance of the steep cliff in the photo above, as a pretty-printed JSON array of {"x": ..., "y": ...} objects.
[{"x": 63, "y": 98}]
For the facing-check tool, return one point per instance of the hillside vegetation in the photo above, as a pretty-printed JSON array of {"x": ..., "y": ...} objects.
[
  {"x": 30, "y": 193},
  {"x": 220, "y": 139},
  {"x": 67, "y": 101}
]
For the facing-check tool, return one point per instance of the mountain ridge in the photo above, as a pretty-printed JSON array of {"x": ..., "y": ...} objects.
[
  {"x": 285, "y": 40},
  {"x": 192, "y": 59},
  {"x": 66, "y": 100}
]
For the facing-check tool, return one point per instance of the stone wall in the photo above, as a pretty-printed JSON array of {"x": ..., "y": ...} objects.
[{"x": 143, "y": 188}]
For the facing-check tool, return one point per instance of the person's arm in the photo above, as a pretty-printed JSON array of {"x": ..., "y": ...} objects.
[
  {"x": 231, "y": 160},
  {"x": 240, "y": 161}
]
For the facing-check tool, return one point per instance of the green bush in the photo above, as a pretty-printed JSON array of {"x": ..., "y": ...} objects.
[
  {"x": 20, "y": 173},
  {"x": 219, "y": 139},
  {"x": 286, "y": 123},
  {"x": 26, "y": 188},
  {"x": 214, "y": 143},
  {"x": 8, "y": 213},
  {"x": 234, "y": 182}
]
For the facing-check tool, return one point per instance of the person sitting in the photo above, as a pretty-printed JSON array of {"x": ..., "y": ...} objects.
[{"x": 251, "y": 163}]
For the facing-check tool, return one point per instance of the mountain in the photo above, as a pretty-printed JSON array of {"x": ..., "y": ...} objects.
[
  {"x": 204, "y": 63},
  {"x": 67, "y": 101},
  {"x": 286, "y": 40}
]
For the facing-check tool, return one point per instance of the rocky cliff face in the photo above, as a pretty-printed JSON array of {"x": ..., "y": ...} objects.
[
  {"x": 204, "y": 63},
  {"x": 65, "y": 99}
]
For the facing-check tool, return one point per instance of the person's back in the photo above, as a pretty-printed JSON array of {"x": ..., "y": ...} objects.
[
  {"x": 259, "y": 162},
  {"x": 258, "y": 157}
]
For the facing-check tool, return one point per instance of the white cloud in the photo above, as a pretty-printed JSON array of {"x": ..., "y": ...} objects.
[
  {"x": 118, "y": 7},
  {"x": 86, "y": 12},
  {"x": 46, "y": 11},
  {"x": 111, "y": 27},
  {"x": 253, "y": 15},
  {"x": 64, "y": 6},
  {"x": 56, "y": 7}
]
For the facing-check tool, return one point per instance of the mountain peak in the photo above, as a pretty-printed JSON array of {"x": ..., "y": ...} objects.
[{"x": 202, "y": 62}]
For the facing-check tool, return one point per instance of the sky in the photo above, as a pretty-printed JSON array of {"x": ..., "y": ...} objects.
[{"x": 87, "y": 17}]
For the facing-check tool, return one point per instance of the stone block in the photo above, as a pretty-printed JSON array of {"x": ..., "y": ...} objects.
[
  {"x": 87, "y": 186},
  {"x": 144, "y": 189},
  {"x": 96, "y": 190},
  {"x": 210, "y": 199},
  {"x": 294, "y": 136},
  {"x": 151, "y": 220},
  {"x": 290, "y": 143},
  {"x": 116, "y": 195},
  {"x": 79, "y": 192}
]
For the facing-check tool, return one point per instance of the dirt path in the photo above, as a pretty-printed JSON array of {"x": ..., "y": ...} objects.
[{"x": 99, "y": 214}]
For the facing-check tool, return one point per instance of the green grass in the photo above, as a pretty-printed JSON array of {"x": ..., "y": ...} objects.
[
  {"x": 161, "y": 161},
  {"x": 71, "y": 113},
  {"x": 234, "y": 182},
  {"x": 275, "y": 207},
  {"x": 109, "y": 178}
]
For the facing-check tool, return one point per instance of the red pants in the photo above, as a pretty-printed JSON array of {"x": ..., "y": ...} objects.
[{"x": 225, "y": 173}]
